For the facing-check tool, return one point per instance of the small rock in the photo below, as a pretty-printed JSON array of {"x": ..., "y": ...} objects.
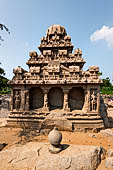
[
  {"x": 95, "y": 130},
  {"x": 3, "y": 122},
  {"x": 92, "y": 135},
  {"x": 107, "y": 132},
  {"x": 110, "y": 153},
  {"x": 38, "y": 131},
  {"x": 109, "y": 163}
]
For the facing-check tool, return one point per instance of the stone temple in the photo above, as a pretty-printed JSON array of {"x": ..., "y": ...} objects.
[{"x": 56, "y": 84}]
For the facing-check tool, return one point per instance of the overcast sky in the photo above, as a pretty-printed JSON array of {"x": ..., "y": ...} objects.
[{"x": 88, "y": 22}]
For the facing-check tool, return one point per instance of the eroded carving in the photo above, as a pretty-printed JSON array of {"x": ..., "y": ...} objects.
[
  {"x": 17, "y": 99},
  {"x": 93, "y": 100}
]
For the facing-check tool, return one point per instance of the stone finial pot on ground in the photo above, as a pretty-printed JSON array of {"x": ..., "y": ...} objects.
[{"x": 55, "y": 137}]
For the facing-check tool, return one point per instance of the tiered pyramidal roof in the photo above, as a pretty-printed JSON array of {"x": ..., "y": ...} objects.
[{"x": 56, "y": 63}]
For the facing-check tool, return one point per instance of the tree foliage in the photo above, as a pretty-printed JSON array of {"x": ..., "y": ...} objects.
[
  {"x": 2, "y": 72},
  {"x": 4, "y": 87},
  {"x": 106, "y": 87}
]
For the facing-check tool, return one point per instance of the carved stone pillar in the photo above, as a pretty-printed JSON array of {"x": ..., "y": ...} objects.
[
  {"x": 45, "y": 107},
  {"x": 26, "y": 100},
  {"x": 22, "y": 100},
  {"x": 65, "y": 105},
  {"x": 11, "y": 101},
  {"x": 98, "y": 101},
  {"x": 88, "y": 100}
]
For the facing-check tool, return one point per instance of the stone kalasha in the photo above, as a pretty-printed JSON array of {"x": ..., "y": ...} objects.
[{"x": 55, "y": 138}]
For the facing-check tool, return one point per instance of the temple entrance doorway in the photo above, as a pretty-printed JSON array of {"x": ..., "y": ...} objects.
[
  {"x": 36, "y": 98},
  {"x": 56, "y": 98},
  {"x": 76, "y": 98}
]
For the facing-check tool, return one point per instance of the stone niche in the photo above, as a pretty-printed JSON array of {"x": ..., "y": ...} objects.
[
  {"x": 56, "y": 83},
  {"x": 36, "y": 98},
  {"x": 56, "y": 98},
  {"x": 76, "y": 98}
]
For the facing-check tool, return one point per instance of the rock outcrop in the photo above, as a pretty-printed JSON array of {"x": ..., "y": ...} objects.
[
  {"x": 109, "y": 160},
  {"x": 36, "y": 156}
]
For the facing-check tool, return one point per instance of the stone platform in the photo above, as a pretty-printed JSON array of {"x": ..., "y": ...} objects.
[{"x": 64, "y": 121}]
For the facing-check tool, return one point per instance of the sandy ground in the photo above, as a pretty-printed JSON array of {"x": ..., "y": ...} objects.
[
  {"x": 17, "y": 136},
  {"x": 13, "y": 136}
]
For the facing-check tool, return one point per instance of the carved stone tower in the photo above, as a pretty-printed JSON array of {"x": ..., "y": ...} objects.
[{"x": 56, "y": 82}]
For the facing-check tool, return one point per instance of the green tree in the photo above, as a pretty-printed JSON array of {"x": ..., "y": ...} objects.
[
  {"x": 106, "y": 82},
  {"x": 106, "y": 87},
  {"x": 2, "y": 72},
  {"x": 4, "y": 87}
]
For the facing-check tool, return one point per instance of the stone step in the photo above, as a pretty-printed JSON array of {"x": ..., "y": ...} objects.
[
  {"x": 84, "y": 118},
  {"x": 88, "y": 124},
  {"x": 27, "y": 123},
  {"x": 24, "y": 125},
  {"x": 27, "y": 117},
  {"x": 24, "y": 119},
  {"x": 84, "y": 114},
  {"x": 87, "y": 121}
]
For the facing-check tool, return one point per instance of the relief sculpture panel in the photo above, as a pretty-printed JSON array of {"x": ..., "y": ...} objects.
[
  {"x": 17, "y": 99},
  {"x": 93, "y": 99}
]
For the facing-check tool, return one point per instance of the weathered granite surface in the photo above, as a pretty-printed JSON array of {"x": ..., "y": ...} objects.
[
  {"x": 107, "y": 132},
  {"x": 109, "y": 163},
  {"x": 109, "y": 159},
  {"x": 36, "y": 156},
  {"x": 4, "y": 105},
  {"x": 110, "y": 153}
]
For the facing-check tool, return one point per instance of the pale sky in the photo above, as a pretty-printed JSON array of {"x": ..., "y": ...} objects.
[{"x": 88, "y": 22}]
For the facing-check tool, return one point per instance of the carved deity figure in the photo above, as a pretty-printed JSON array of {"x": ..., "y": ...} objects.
[
  {"x": 46, "y": 98},
  {"x": 93, "y": 101},
  {"x": 65, "y": 100},
  {"x": 45, "y": 101},
  {"x": 17, "y": 99}
]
